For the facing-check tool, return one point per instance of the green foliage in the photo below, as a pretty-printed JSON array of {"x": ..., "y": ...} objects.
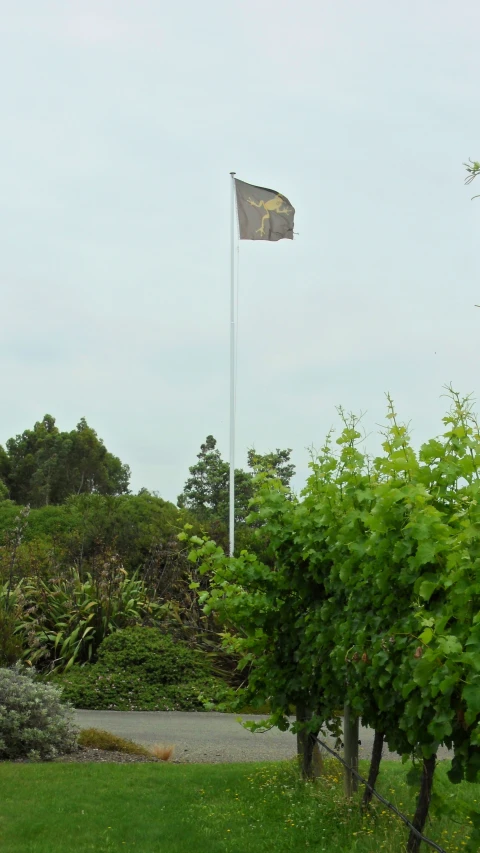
[
  {"x": 68, "y": 562},
  {"x": 11, "y": 610},
  {"x": 100, "y": 739},
  {"x": 138, "y": 528},
  {"x": 45, "y": 466},
  {"x": 374, "y": 594},
  {"x": 95, "y": 688},
  {"x": 64, "y": 621},
  {"x": 33, "y": 721},
  {"x": 141, "y": 669},
  {"x": 276, "y": 463},
  {"x": 148, "y": 652},
  {"x": 473, "y": 169},
  {"x": 11, "y": 594},
  {"x": 206, "y": 492},
  {"x": 4, "y": 469}
]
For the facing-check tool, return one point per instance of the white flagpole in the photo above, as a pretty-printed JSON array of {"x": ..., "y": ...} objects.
[{"x": 231, "y": 525}]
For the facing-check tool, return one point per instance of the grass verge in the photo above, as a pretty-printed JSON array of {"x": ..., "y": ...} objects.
[{"x": 227, "y": 808}]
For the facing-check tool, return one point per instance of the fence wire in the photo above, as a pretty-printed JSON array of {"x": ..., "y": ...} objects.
[{"x": 385, "y": 802}]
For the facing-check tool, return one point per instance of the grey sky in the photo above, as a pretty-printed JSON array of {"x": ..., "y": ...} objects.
[{"x": 119, "y": 124}]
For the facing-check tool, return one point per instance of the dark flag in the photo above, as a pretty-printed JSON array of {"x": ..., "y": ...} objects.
[{"x": 263, "y": 214}]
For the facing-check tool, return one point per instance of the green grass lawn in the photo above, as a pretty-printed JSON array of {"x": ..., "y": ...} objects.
[{"x": 229, "y": 808}]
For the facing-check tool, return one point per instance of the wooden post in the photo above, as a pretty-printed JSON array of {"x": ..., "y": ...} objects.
[{"x": 350, "y": 750}]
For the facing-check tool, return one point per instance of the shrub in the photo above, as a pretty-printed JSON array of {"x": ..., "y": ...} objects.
[
  {"x": 65, "y": 619},
  {"x": 100, "y": 739},
  {"x": 140, "y": 669},
  {"x": 148, "y": 652},
  {"x": 11, "y": 603},
  {"x": 33, "y": 721},
  {"x": 162, "y": 752},
  {"x": 81, "y": 529},
  {"x": 89, "y": 688},
  {"x": 10, "y": 644}
]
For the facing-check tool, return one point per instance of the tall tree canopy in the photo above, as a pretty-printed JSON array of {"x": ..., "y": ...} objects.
[
  {"x": 206, "y": 491},
  {"x": 45, "y": 466},
  {"x": 3, "y": 473},
  {"x": 277, "y": 463}
]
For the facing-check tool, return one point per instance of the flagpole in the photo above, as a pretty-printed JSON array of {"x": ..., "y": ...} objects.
[{"x": 231, "y": 504}]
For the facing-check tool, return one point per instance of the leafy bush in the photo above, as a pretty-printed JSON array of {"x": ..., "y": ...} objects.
[
  {"x": 140, "y": 669},
  {"x": 90, "y": 688},
  {"x": 87, "y": 526},
  {"x": 70, "y": 561},
  {"x": 11, "y": 604},
  {"x": 375, "y": 597},
  {"x": 101, "y": 739},
  {"x": 65, "y": 620},
  {"x": 33, "y": 721},
  {"x": 148, "y": 652}
]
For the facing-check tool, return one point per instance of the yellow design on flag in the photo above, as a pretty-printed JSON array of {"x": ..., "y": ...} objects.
[{"x": 263, "y": 214}]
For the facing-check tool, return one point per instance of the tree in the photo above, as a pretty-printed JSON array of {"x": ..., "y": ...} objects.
[
  {"x": 44, "y": 466},
  {"x": 3, "y": 475},
  {"x": 91, "y": 467},
  {"x": 276, "y": 463},
  {"x": 206, "y": 492}
]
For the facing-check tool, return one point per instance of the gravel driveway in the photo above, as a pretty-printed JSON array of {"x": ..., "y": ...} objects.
[{"x": 207, "y": 737}]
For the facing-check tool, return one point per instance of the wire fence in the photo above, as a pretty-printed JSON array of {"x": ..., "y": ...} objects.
[{"x": 385, "y": 802}]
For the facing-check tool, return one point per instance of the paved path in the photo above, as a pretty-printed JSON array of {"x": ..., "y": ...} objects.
[{"x": 206, "y": 737}]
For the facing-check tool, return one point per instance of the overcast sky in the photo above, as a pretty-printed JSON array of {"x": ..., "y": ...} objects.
[{"x": 119, "y": 124}]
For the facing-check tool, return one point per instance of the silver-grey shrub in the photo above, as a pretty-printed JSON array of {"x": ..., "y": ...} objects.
[{"x": 34, "y": 723}]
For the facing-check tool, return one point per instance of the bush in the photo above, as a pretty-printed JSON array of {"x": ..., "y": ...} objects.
[
  {"x": 91, "y": 688},
  {"x": 85, "y": 526},
  {"x": 33, "y": 722},
  {"x": 152, "y": 654},
  {"x": 140, "y": 669},
  {"x": 101, "y": 739},
  {"x": 11, "y": 602},
  {"x": 70, "y": 616}
]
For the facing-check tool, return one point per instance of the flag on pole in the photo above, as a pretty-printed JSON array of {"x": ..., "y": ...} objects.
[{"x": 263, "y": 214}]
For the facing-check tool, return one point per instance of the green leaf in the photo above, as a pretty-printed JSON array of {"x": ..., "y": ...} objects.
[
  {"x": 449, "y": 645},
  {"x": 407, "y": 689},
  {"x": 447, "y": 683},
  {"x": 426, "y": 636},
  {"x": 427, "y": 588},
  {"x": 70, "y": 663},
  {"x": 425, "y": 552},
  {"x": 423, "y": 671}
]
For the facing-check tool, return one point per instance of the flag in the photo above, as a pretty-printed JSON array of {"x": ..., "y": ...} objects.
[{"x": 263, "y": 214}]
